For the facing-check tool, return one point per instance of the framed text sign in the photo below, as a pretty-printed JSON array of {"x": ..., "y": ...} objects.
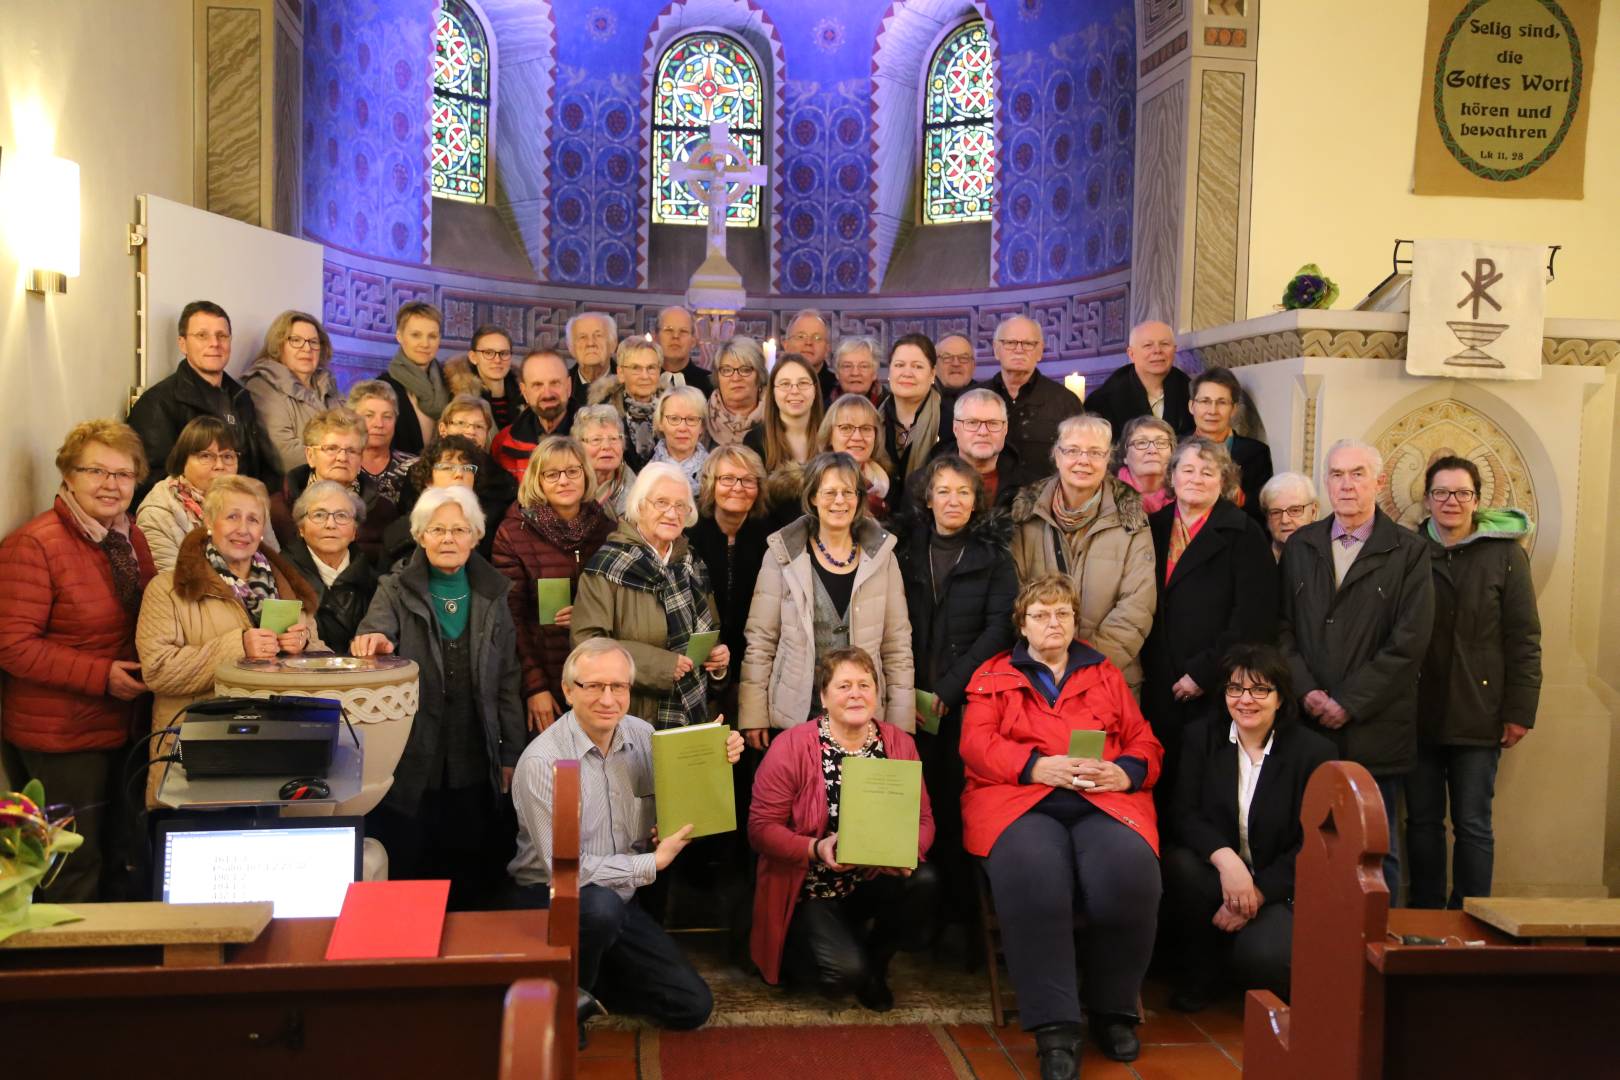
[{"x": 1505, "y": 98}]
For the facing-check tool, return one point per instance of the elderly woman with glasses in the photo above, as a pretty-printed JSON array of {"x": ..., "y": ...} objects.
[
  {"x": 333, "y": 444},
  {"x": 737, "y": 403},
  {"x": 645, "y": 589},
  {"x": 469, "y": 416},
  {"x": 70, "y": 589},
  {"x": 446, "y": 815},
  {"x": 549, "y": 534},
  {"x": 328, "y": 517},
  {"x": 853, "y": 426},
  {"x": 205, "y": 449},
  {"x": 455, "y": 461},
  {"x": 1217, "y": 586},
  {"x": 1289, "y": 500},
  {"x": 1061, "y": 831},
  {"x": 830, "y": 579},
  {"x": 1090, "y": 527},
  {"x": 376, "y": 404},
  {"x": 633, "y": 390},
  {"x": 1142, "y": 460},
  {"x": 679, "y": 420},
  {"x": 600, "y": 431},
  {"x": 291, "y": 382}
]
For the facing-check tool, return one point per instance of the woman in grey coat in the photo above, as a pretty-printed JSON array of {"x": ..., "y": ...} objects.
[
  {"x": 291, "y": 382},
  {"x": 448, "y": 814}
]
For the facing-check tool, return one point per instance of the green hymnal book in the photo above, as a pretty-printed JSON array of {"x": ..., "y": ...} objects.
[
  {"x": 880, "y": 806},
  {"x": 554, "y": 594},
  {"x": 692, "y": 780},
  {"x": 701, "y": 644},
  {"x": 927, "y": 718},
  {"x": 1087, "y": 744},
  {"x": 277, "y": 616}
]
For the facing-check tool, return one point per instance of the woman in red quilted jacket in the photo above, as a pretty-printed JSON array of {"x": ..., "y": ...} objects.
[
  {"x": 70, "y": 589},
  {"x": 552, "y": 531}
]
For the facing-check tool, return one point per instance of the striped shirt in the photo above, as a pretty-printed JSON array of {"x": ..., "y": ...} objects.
[{"x": 615, "y": 805}]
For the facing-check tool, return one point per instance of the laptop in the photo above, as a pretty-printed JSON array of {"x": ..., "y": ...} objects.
[{"x": 303, "y": 865}]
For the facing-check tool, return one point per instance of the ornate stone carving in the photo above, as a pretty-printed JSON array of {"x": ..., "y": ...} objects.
[
  {"x": 1579, "y": 352},
  {"x": 1380, "y": 345}
]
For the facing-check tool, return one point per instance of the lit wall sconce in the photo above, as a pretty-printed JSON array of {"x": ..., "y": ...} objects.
[{"x": 39, "y": 197}]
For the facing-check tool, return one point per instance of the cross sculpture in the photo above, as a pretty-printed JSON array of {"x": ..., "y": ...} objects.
[{"x": 708, "y": 173}]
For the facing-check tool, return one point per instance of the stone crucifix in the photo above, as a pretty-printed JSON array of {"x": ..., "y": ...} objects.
[{"x": 710, "y": 180}]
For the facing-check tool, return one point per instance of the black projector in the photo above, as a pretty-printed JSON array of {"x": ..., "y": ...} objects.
[{"x": 276, "y": 736}]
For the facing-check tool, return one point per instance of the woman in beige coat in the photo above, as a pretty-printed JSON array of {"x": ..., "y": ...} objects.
[
  {"x": 1090, "y": 526},
  {"x": 291, "y": 382},
  {"x": 829, "y": 579},
  {"x": 205, "y": 611}
]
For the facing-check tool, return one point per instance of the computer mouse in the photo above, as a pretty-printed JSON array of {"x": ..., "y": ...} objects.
[{"x": 305, "y": 787}]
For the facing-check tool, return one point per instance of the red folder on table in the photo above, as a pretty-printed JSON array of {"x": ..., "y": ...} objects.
[{"x": 389, "y": 920}]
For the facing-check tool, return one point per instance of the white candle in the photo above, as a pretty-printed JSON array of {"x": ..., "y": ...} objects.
[
  {"x": 1076, "y": 385},
  {"x": 770, "y": 354}
]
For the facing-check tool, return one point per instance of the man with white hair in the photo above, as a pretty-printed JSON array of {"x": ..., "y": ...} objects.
[
  {"x": 1358, "y": 608},
  {"x": 1289, "y": 501},
  {"x": 1150, "y": 385},
  {"x": 676, "y": 336},
  {"x": 1036, "y": 405},
  {"x": 954, "y": 369},
  {"x": 856, "y": 365},
  {"x": 592, "y": 336},
  {"x": 625, "y": 958},
  {"x": 807, "y": 336}
]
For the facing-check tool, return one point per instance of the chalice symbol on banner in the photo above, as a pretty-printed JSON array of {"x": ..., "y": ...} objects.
[{"x": 1473, "y": 334}]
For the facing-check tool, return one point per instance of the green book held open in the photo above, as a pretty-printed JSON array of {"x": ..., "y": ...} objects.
[
  {"x": 555, "y": 594},
  {"x": 701, "y": 644},
  {"x": 880, "y": 808},
  {"x": 692, "y": 780},
  {"x": 1087, "y": 744},
  {"x": 927, "y": 717},
  {"x": 277, "y": 616}
]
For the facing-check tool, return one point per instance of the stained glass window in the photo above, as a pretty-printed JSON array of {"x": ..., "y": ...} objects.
[
  {"x": 704, "y": 79},
  {"x": 460, "y": 105},
  {"x": 959, "y": 142}
]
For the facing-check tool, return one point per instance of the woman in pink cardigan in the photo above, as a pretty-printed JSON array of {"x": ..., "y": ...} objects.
[{"x": 811, "y": 914}]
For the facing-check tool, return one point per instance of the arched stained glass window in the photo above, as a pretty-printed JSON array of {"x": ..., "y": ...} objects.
[
  {"x": 460, "y": 105},
  {"x": 959, "y": 142},
  {"x": 704, "y": 79}
]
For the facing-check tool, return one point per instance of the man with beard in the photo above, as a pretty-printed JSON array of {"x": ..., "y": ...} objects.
[{"x": 550, "y": 409}]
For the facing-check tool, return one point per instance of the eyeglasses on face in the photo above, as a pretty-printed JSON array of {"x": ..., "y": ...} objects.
[
  {"x": 299, "y": 344},
  {"x": 1212, "y": 402},
  {"x": 1019, "y": 344},
  {"x": 1254, "y": 693},
  {"x": 1143, "y": 445},
  {"x": 334, "y": 450},
  {"x": 216, "y": 457},
  {"x": 494, "y": 354},
  {"x": 335, "y": 517},
  {"x": 991, "y": 426},
  {"x": 733, "y": 371},
  {"x": 1091, "y": 453},
  {"x": 1056, "y": 615},
  {"x": 1293, "y": 513},
  {"x": 639, "y": 369},
  {"x": 665, "y": 507},
  {"x": 849, "y": 431},
  {"x": 1462, "y": 496},
  {"x": 210, "y": 335},
  {"x": 595, "y": 689},
  {"x": 807, "y": 337},
  {"x": 683, "y": 421},
  {"x": 800, "y": 385},
  {"x": 121, "y": 477},
  {"x": 448, "y": 532},
  {"x": 832, "y": 496},
  {"x": 458, "y": 426},
  {"x": 597, "y": 442},
  {"x": 730, "y": 483},
  {"x": 455, "y": 468},
  {"x": 955, "y": 358},
  {"x": 571, "y": 472}
]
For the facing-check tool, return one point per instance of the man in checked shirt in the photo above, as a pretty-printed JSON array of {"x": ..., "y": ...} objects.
[{"x": 625, "y": 958}]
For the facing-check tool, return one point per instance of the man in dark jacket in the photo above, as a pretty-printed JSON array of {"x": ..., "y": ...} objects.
[
  {"x": 1358, "y": 605},
  {"x": 678, "y": 338},
  {"x": 1215, "y": 396},
  {"x": 548, "y": 410},
  {"x": 1036, "y": 405},
  {"x": 1481, "y": 681},
  {"x": 199, "y": 386},
  {"x": 1150, "y": 385}
]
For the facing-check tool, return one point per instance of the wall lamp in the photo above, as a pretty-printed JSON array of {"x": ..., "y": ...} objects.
[{"x": 39, "y": 198}]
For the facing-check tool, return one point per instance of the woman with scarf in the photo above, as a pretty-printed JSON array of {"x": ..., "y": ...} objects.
[
  {"x": 914, "y": 412},
  {"x": 292, "y": 382},
  {"x": 737, "y": 403},
  {"x": 679, "y": 420},
  {"x": 1142, "y": 460},
  {"x": 205, "y": 449},
  {"x": 645, "y": 589},
  {"x": 70, "y": 588},
  {"x": 550, "y": 533},
  {"x": 415, "y": 376},
  {"x": 634, "y": 391}
]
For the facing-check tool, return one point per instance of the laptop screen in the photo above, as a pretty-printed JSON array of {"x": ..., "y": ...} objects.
[{"x": 303, "y": 865}]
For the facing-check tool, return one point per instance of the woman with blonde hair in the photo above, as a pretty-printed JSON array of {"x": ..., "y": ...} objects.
[
  {"x": 853, "y": 426},
  {"x": 291, "y": 382},
  {"x": 678, "y": 419}
]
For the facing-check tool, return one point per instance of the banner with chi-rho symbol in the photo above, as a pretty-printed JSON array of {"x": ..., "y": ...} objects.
[{"x": 1477, "y": 309}]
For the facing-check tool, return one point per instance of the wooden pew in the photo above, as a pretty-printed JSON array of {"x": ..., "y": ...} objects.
[
  {"x": 1366, "y": 1006},
  {"x": 277, "y": 1008},
  {"x": 529, "y": 1032}
]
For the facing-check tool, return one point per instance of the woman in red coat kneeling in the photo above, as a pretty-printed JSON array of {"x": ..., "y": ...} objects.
[
  {"x": 811, "y": 914},
  {"x": 1061, "y": 834}
]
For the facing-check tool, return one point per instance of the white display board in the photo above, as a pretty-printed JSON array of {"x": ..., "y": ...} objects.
[{"x": 254, "y": 274}]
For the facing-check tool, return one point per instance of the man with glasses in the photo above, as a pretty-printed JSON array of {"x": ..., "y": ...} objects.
[
  {"x": 592, "y": 336},
  {"x": 1481, "y": 681},
  {"x": 1358, "y": 606},
  {"x": 200, "y": 386},
  {"x": 1036, "y": 405},
  {"x": 486, "y": 372},
  {"x": 677, "y": 337},
  {"x": 954, "y": 369},
  {"x": 1289, "y": 501},
  {"x": 548, "y": 410},
  {"x": 807, "y": 336},
  {"x": 626, "y": 959},
  {"x": 1150, "y": 385},
  {"x": 979, "y": 437},
  {"x": 855, "y": 364},
  {"x": 1215, "y": 397},
  {"x": 333, "y": 441}
]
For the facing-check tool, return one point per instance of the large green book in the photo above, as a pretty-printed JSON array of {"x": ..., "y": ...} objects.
[
  {"x": 692, "y": 780},
  {"x": 1087, "y": 744},
  {"x": 277, "y": 616},
  {"x": 554, "y": 594},
  {"x": 880, "y": 808}
]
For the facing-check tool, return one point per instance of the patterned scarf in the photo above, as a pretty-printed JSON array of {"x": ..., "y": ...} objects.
[
  {"x": 692, "y": 466},
  {"x": 1078, "y": 520},
  {"x": 564, "y": 535},
  {"x": 259, "y": 586},
  {"x": 189, "y": 498},
  {"x": 1180, "y": 537},
  {"x": 726, "y": 427},
  {"x": 682, "y": 589},
  {"x": 126, "y": 568}
]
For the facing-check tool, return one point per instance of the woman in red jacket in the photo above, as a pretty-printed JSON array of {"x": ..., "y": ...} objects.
[
  {"x": 1061, "y": 834},
  {"x": 552, "y": 531},
  {"x": 70, "y": 589},
  {"x": 811, "y": 913}
]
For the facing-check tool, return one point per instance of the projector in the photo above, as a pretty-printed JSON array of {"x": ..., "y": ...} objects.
[{"x": 276, "y": 736}]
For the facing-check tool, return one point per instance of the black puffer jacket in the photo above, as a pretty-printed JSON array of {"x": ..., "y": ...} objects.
[
  {"x": 345, "y": 603},
  {"x": 168, "y": 405},
  {"x": 972, "y": 619},
  {"x": 1483, "y": 668}
]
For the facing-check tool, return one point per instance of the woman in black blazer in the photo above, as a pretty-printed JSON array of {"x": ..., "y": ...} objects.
[
  {"x": 1217, "y": 587},
  {"x": 1233, "y": 831}
]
